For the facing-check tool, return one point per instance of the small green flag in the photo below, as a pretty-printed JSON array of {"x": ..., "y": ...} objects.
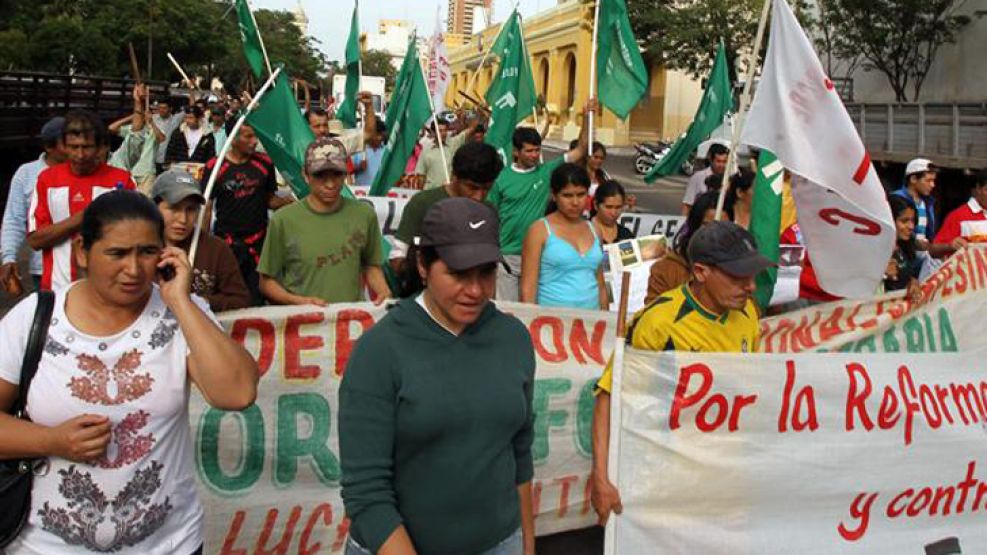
[
  {"x": 716, "y": 103},
  {"x": 409, "y": 110},
  {"x": 623, "y": 78},
  {"x": 283, "y": 131},
  {"x": 766, "y": 221},
  {"x": 346, "y": 112},
  {"x": 250, "y": 36},
  {"x": 511, "y": 96}
]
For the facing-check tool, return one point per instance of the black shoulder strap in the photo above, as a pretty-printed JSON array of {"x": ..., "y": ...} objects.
[{"x": 35, "y": 345}]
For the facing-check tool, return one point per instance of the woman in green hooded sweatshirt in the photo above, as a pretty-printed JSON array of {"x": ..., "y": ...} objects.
[{"x": 435, "y": 416}]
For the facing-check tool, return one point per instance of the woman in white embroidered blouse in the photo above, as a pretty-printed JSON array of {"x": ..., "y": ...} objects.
[{"x": 109, "y": 403}]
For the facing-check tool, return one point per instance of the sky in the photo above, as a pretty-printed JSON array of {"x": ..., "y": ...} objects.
[{"x": 329, "y": 20}]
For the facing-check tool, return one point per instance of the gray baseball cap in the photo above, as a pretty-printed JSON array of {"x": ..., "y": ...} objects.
[
  {"x": 465, "y": 233},
  {"x": 174, "y": 186},
  {"x": 325, "y": 154},
  {"x": 729, "y": 247}
]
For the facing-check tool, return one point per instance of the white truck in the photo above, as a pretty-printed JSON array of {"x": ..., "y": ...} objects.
[{"x": 375, "y": 85}]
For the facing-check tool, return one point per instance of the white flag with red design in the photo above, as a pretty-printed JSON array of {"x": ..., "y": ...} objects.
[
  {"x": 842, "y": 210},
  {"x": 439, "y": 72}
]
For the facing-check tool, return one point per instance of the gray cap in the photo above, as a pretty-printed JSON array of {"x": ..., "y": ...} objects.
[
  {"x": 325, "y": 154},
  {"x": 729, "y": 247},
  {"x": 465, "y": 233},
  {"x": 174, "y": 186},
  {"x": 52, "y": 130}
]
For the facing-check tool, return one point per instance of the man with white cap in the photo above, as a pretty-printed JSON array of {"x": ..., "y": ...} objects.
[
  {"x": 318, "y": 250},
  {"x": 920, "y": 180}
]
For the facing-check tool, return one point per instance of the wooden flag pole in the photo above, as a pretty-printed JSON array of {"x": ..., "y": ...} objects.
[
  {"x": 616, "y": 384},
  {"x": 435, "y": 125},
  {"x": 260, "y": 39},
  {"x": 222, "y": 156},
  {"x": 745, "y": 100},
  {"x": 181, "y": 71},
  {"x": 591, "y": 121}
]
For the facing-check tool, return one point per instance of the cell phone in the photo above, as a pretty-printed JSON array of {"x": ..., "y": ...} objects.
[{"x": 166, "y": 273}]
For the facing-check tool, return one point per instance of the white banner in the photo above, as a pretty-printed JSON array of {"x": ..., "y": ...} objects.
[
  {"x": 270, "y": 475},
  {"x": 652, "y": 224},
  {"x": 808, "y": 454}
]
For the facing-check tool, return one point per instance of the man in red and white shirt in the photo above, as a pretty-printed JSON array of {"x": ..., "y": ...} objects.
[
  {"x": 65, "y": 190},
  {"x": 968, "y": 223}
]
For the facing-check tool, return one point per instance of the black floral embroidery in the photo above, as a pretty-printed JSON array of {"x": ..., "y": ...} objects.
[
  {"x": 165, "y": 331},
  {"x": 54, "y": 348},
  {"x": 132, "y": 515}
]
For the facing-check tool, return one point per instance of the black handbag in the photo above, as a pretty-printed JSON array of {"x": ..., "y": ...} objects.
[{"x": 17, "y": 475}]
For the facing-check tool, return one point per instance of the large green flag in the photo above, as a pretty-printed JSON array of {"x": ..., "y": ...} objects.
[
  {"x": 766, "y": 221},
  {"x": 409, "y": 110},
  {"x": 716, "y": 103},
  {"x": 346, "y": 112},
  {"x": 250, "y": 36},
  {"x": 623, "y": 79},
  {"x": 511, "y": 96},
  {"x": 283, "y": 131}
]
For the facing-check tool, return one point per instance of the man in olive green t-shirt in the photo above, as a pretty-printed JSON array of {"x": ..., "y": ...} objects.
[
  {"x": 474, "y": 169},
  {"x": 521, "y": 195},
  {"x": 317, "y": 250}
]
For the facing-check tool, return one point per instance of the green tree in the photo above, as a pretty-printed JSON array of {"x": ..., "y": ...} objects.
[
  {"x": 899, "y": 38},
  {"x": 91, "y": 36},
  {"x": 378, "y": 63}
]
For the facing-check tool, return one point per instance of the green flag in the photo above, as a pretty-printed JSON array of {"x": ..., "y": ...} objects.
[
  {"x": 409, "y": 110},
  {"x": 511, "y": 96},
  {"x": 716, "y": 103},
  {"x": 623, "y": 79},
  {"x": 283, "y": 131},
  {"x": 252, "y": 46},
  {"x": 346, "y": 112},
  {"x": 766, "y": 221}
]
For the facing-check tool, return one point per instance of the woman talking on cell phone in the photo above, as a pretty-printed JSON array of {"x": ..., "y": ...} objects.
[{"x": 108, "y": 406}]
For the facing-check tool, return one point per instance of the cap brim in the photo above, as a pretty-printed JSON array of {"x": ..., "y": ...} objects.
[
  {"x": 469, "y": 255},
  {"x": 174, "y": 197},
  {"x": 747, "y": 266}
]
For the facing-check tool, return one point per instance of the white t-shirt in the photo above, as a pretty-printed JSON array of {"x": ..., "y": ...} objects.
[
  {"x": 192, "y": 138},
  {"x": 141, "y": 497},
  {"x": 697, "y": 186}
]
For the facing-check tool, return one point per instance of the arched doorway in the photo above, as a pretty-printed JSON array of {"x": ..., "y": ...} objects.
[
  {"x": 543, "y": 78},
  {"x": 569, "y": 98}
]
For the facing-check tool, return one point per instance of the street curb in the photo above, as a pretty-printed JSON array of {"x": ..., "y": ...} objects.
[{"x": 564, "y": 146}]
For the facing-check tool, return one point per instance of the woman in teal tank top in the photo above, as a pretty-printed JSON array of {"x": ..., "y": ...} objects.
[{"x": 561, "y": 260}]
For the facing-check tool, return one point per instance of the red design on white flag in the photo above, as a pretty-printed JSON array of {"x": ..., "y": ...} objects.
[
  {"x": 439, "y": 70},
  {"x": 798, "y": 115}
]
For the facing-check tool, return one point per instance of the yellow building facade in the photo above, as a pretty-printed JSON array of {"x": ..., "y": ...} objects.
[{"x": 559, "y": 42}]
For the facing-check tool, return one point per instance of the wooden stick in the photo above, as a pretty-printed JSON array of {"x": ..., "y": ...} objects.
[
  {"x": 613, "y": 454},
  {"x": 135, "y": 70},
  {"x": 480, "y": 105}
]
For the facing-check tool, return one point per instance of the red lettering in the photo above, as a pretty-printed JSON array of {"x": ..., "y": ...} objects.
[
  {"x": 265, "y": 329},
  {"x": 580, "y": 343},
  {"x": 859, "y": 510},
  {"x": 325, "y": 511},
  {"x": 887, "y": 415},
  {"x": 566, "y": 484},
  {"x": 282, "y": 547},
  {"x": 682, "y": 401},
  {"x": 233, "y": 534},
  {"x": 906, "y": 386},
  {"x": 555, "y": 326},
  {"x": 342, "y": 531},
  {"x": 862, "y": 170},
  {"x": 345, "y": 338},
  {"x": 894, "y": 510},
  {"x": 919, "y": 502},
  {"x": 864, "y": 226},
  {"x": 801, "y": 337},
  {"x": 720, "y": 403},
  {"x": 830, "y": 327},
  {"x": 855, "y": 401},
  {"x": 295, "y": 343}
]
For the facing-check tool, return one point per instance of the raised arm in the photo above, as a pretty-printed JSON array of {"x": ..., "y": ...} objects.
[{"x": 577, "y": 154}]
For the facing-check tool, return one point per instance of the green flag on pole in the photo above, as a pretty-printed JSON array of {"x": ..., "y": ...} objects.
[
  {"x": 283, "y": 131},
  {"x": 346, "y": 112},
  {"x": 623, "y": 78},
  {"x": 409, "y": 110},
  {"x": 716, "y": 103},
  {"x": 511, "y": 96},
  {"x": 252, "y": 46},
  {"x": 766, "y": 221}
]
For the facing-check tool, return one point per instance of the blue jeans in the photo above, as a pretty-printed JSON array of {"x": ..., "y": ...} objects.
[{"x": 512, "y": 545}]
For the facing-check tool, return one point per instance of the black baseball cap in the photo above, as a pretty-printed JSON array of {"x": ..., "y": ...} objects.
[
  {"x": 729, "y": 247},
  {"x": 465, "y": 233}
]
